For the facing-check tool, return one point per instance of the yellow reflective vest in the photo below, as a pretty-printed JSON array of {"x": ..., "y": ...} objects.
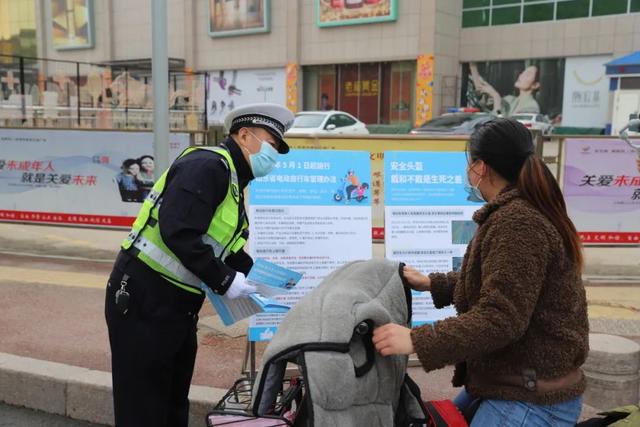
[{"x": 224, "y": 235}]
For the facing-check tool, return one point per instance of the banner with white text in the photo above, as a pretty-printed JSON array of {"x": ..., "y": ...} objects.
[
  {"x": 601, "y": 186},
  {"x": 91, "y": 178}
]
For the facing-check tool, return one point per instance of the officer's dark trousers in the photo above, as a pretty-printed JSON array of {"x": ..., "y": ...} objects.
[{"x": 153, "y": 347}]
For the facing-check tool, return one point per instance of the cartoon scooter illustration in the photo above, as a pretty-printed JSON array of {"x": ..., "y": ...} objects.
[{"x": 357, "y": 193}]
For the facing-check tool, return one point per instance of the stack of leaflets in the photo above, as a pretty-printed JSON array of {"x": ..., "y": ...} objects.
[{"x": 270, "y": 279}]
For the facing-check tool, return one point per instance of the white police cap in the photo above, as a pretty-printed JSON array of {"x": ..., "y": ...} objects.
[{"x": 274, "y": 118}]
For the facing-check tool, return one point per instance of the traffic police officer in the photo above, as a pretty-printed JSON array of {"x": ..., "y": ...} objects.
[{"x": 191, "y": 229}]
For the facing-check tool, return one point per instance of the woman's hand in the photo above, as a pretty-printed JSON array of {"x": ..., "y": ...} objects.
[
  {"x": 393, "y": 339},
  {"x": 416, "y": 280}
]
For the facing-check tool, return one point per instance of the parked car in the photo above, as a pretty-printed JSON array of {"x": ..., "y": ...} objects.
[
  {"x": 453, "y": 124},
  {"x": 327, "y": 122},
  {"x": 535, "y": 121}
]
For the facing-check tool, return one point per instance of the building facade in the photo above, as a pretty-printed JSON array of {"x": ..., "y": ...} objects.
[{"x": 388, "y": 62}]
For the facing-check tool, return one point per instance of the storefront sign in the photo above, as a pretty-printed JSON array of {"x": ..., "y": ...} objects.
[
  {"x": 71, "y": 24},
  {"x": 331, "y": 13},
  {"x": 233, "y": 18},
  {"x": 424, "y": 89},
  {"x": 586, "y": 92},
  {"x": 292, "y": 86}
]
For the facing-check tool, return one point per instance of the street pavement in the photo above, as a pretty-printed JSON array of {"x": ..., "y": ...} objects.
[
  {"x": 10, "y": 416},
  {"x": 52, "y": 280}
]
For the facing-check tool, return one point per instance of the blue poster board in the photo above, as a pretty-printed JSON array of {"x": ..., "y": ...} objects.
[{"x": 311, "y": 214}]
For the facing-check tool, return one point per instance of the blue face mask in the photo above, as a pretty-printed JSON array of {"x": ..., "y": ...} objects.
[
  {"x": 474, "y": 193},
  {"x": 264, "y": 160}
]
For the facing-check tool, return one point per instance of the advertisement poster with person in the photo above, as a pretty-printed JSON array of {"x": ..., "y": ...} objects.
[
  {"x": 312, "y": 214},
  {"x": 601, "y": 186},
  {"x": 230, "y": 89},
  {"x": 428, "y": 217},
  {"x": 72, "y": 24},
  {"x": 77, "y": 177},
  {"x": 232, "y": 18},
  {"x": 515, "y": 87}
]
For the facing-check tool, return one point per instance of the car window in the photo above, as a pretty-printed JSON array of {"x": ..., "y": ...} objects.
[
  {"x": 449, "y": 121},
  {"x": 308, "y": 120},
  {"x": 523, "y": 117},
  {"x": 344, "y": 120},
  {"x": 333, "y": 120},
  {"x": 476, "y": 123}
]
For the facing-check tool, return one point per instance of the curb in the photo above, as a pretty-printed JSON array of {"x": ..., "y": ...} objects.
[{"x": 76, "y": 392}]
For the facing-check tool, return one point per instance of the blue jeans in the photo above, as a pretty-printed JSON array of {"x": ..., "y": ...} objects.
[{"x": 513, "y": 413}]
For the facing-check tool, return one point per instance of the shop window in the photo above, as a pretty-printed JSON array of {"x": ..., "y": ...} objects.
[
  {"x": 374, "y": 93},
  {"x": 630, "y": 83},
  {"x": 475, "y": 18},
  {"x": 538, "y": 12},
  {"x": 609, "y": 7},
  {"x": 573, "y": 9},
  {"x": 18, "y": 28},
  {"x": 635, "y": 5},
  {"x": 468, "y": 4},
  {"x": 505, "y": 15},
  {"x": 502, "y": 2}
]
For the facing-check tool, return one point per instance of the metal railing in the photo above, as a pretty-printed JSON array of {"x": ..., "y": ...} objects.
[{"x": 37, "y": 92}]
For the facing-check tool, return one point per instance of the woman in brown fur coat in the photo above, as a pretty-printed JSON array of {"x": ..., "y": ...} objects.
[{"x": 521, "y": 333}]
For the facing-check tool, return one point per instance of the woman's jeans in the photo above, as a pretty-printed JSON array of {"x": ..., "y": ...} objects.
[{"x": 513, "y": 413}]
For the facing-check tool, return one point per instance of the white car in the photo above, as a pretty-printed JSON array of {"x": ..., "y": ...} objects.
[
  {"x": 327, "y": 123},
  {"x": 535, "y": 121}
]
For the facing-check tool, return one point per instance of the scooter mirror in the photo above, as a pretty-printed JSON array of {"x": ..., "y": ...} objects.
[{"x": 634, "y": 125}]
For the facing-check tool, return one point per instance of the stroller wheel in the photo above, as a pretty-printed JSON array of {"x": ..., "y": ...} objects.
[{"x": 337, "y": 197}]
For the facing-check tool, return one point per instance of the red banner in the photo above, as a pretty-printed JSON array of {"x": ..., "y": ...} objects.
[
  {"x": 610, "y": 238},
  {"x": 65, "y": 218}
]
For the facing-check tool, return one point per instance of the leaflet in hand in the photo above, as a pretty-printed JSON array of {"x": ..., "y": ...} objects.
[
  {"x": 233, "y": 310},
  {"x": 270, "y": 279}
]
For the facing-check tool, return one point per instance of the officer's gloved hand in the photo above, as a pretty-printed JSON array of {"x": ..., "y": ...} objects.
[{"x": 239, "y": 287}]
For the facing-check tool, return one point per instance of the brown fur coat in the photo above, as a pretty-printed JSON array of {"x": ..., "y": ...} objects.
[{"x": 520, "y": 302}]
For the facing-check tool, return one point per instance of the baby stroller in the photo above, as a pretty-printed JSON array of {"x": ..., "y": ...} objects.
[{"x": 234, "y": 409}]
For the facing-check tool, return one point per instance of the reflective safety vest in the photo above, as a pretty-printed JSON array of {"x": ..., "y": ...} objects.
[{"x": 225, "y": 234}]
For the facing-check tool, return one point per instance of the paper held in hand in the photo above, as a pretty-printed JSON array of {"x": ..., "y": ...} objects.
[{"x": 270, "y": 279}]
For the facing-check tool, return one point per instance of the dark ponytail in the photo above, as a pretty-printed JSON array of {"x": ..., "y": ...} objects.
[
  {"x": 507, "y": 146},
  {"x": 538, "y": 186}
]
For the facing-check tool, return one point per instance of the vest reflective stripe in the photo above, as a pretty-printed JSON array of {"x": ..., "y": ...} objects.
[
  {"x": 174, "y": 266},
  {"x": 224, "y": 233},
  {"x": 218, "y": 248}
]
